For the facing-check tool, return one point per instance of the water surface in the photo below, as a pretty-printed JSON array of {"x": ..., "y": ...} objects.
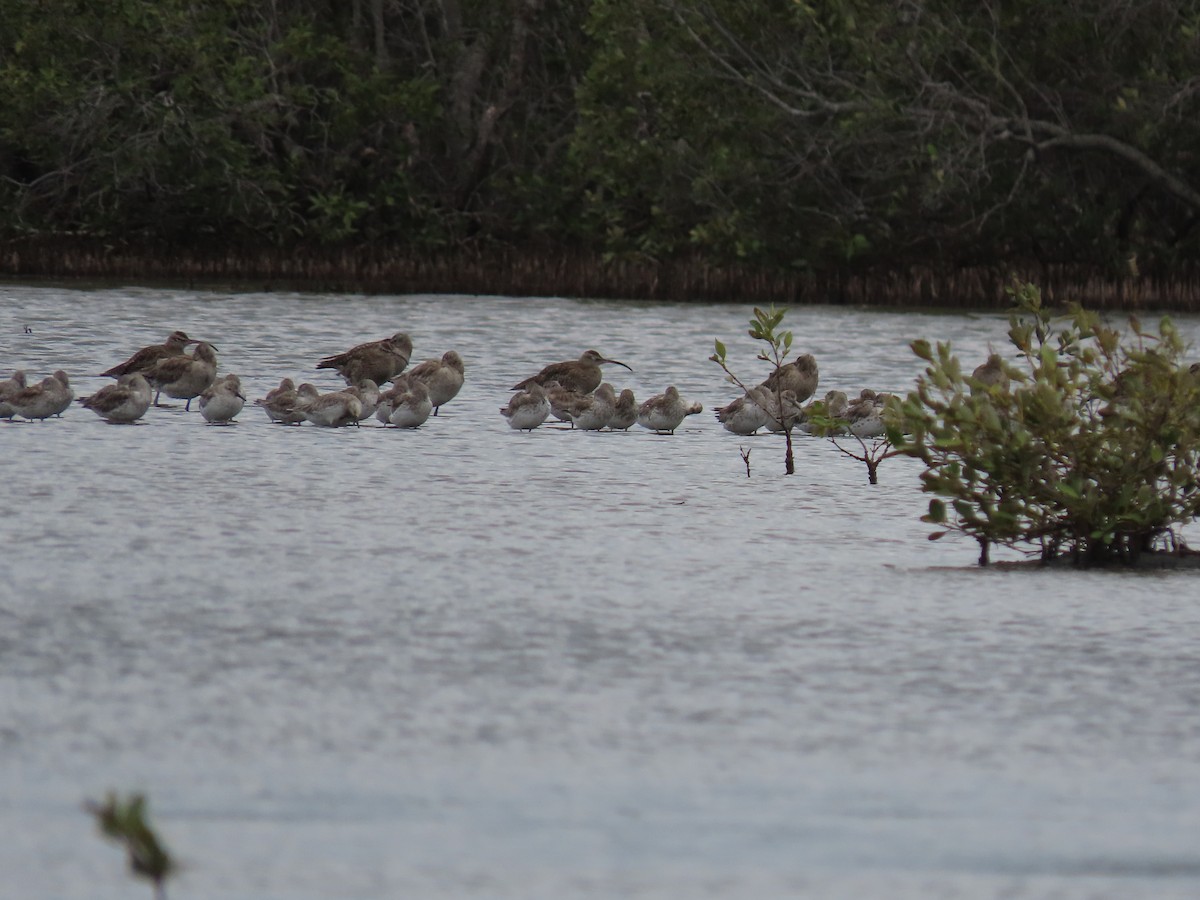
[{"x": 465, "y": 662}]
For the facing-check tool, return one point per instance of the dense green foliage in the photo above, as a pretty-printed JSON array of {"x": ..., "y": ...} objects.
[
  {"x": 800, "y": 135},
  {"x": 1088, "y": 446}
]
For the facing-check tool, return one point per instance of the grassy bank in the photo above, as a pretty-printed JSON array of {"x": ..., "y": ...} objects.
[{"x": 577, "y": 274}]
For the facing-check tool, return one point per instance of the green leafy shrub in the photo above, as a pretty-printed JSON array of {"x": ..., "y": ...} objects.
[{"x": 1085, "y": 446}]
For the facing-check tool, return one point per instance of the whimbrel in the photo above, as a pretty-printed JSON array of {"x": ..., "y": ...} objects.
[
  {"x": 528, "y": 409},
  {"x": 222, "y": 400},
  {"x": 121, "y": 403},
  {"x": 442, "y": 377},
  {"x": 583, "y": 374},
  {"x": 144, "y": 359},
  {"x": 380, "y": 361},
  {"x": 665, "y": 412}
]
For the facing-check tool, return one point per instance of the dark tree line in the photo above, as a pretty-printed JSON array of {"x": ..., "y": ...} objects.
[{"x": 804, "y": 136}]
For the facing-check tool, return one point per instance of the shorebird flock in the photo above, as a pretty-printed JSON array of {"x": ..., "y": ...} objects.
[{"x": 380, "y": 384}]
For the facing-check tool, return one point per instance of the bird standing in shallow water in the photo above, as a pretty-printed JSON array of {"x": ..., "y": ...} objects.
[
  {"x": 380, "y": 361},
  {"x": 743, "y": 416},
  {"x": 9, "y": 387},
  {"x": 528, "y": 409},
  {"x": 583, "y": 374},
  {"x": 332, "y": 410},
  {"x": 625, "y": 413},
  {"x": 41, "y": 401},
  {"x": 280, "y": 404},
  {"x": 799, "y": 377},
  {"x": 122, "y": 403},
  {"x": 222, "y": 401},
  {"x": 443, "y": 378},
  {"x": 185, "y": 377},
  {"x": 594, "y": 411},
  {"x": 665, "y": 412},
  {"x": 145, "y": 359}
]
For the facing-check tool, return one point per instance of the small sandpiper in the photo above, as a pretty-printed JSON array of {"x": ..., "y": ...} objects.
[
  {"x": 185, "y": 377},
  {"x": 280, "y": 404},
  {"x": 625, "y": 413},
  {"x": 9, "y": 387},
  {"x": 410, "y": 403},
  {"x": 528, "y": 409},
  {"x": 381, "y": 361},
  {"x": 442, "y": 377},
  {"x": 665, "y": 412},
  {"x": 583, "y": 374},
  {"x": 594, "y": 411},
  {"x": 332, "y": 410},
  {"x": 743, "y": 416},
  {"x": 41, "y": 401},
  {"x": 222, "y": 401},
  {"x": 144, "y": 359},
  {"x": 122, "y": 403}
]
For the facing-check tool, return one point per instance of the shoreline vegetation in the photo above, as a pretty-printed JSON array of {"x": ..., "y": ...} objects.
[{"x": 582, "y": 274}]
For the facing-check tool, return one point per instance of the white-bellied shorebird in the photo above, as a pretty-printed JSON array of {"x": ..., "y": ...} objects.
[
  {"x": 332, "y": 410},
  {"x": 122, "y": 403},
  {"x": 561, "y": 401},
  {"x": 8, "y": 387},
  {"x": 625, "y": 413},
  {"x": 280, "y": 404},
  {"x": 743, "y": 416},
  {"x": 799, "y": 377},
  {"x": 368, "y": 395},
  {"x": 783, "y": 410},
  {"x": 832, "y": 406},
  {"x": 381, "y": 361},
  {"x": 185, "y": 377},
  {"x": 442, "y": 377},
  {"x": 222, "y": 400},
  {"x": 528, "y": 409},
  {"x": 865, "y": 414},
  {"x": 594, "y": 411},
  {"x": 583, "y": 374},
  {"x": 41, "y": 401},
  {"x": 410, "y": 404},
  {"x": 665, "y": 412},
  {"x": 144, "y": 359}
]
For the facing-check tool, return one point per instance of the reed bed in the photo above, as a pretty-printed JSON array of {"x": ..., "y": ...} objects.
[{"x": 580, "y": 274}]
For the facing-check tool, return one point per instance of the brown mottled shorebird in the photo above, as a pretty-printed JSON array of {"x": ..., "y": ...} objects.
[
  {"x": 409, "y": 403},
  {"x": 783, "y": 409},
  {"x": 122, "y": 403},
  {"x": 528, "y": 409},
  {"x": 743, "y": 416},
  {"x": 991, "y": 373},
  {"x": 335, "y": 409},
  {"x": 185, "y": 377},
  {"x": 865, "y": 414},
  {"x": 7, "y": 388},
  {"x": 145, "y": 358},
  {"x": 41, "y": 401},
  {"x": 222, "y": 400},
  {"x": 380, "y": 361},
  {"x": 665, "y": 412},
  {"x": 583, "y": 374},
  {"x": 561, "y": 401},
  {"x": 280, "y": 404},
  {"x": 625, "y": 413},
  {"x": 593, "y": 411},
  {"x": 442, "y": 377},
  {"x": 799, "y": 377}
]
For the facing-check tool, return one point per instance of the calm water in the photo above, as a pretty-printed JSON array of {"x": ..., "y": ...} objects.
[{"x": 466, "y": 662}]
